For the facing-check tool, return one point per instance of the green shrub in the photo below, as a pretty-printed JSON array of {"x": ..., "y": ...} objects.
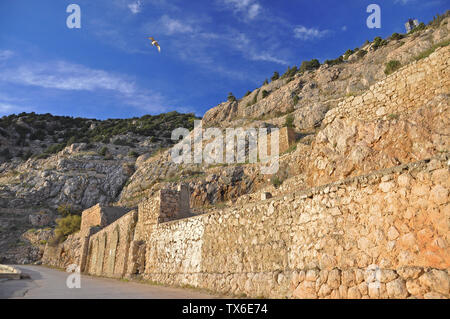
[
  {"x": 420, "y": 27},
  {"x": 231, "y": 97},
  {"x": 335, "y": 61},
  {"x": 392, "y": 66},
  {"x": 276, "y": 181},
  {"x": 348, "y": 53},
  {"x": 437, "y": 20},
  {"x": 104, "y": 150},
  {"x": 290, "y": 72},
  {"x": 275, "y": 76},
  {"x": 309, "y": 65},
  {"x": 378, "y": 43},
  {"x": 295, "y": 99},
  {"x": 396, "y": 36},
  {"x": 265, "y": 94},
  {"x": 248, "y": 93},
  {"x": 361, "y": 53},
  {"x": 289, "y": 122},
  {"x": 66, "y": 226}
]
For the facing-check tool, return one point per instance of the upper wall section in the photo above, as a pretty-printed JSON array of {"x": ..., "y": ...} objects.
[
  {"x": 401, "y": 92},
  {"x": 99, "y": 215}
]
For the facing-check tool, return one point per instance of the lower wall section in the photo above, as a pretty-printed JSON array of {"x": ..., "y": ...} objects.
[
  {"x": 109, "y": 248},
  {"x": 371, "y": 282},
  {"x": 322, "y": 243}
]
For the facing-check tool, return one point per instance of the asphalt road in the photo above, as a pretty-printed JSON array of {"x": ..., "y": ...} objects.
[{"x": 46, "y": 283}]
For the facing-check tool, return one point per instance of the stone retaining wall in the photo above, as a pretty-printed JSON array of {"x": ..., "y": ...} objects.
[
  {"x": 325, "y": 242},
  {"x": 401, "y": 92},
  {"x": 109, "y": 248}
]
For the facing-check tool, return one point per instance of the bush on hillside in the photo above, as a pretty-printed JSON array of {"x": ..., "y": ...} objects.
[
  {"x": 309, "y": 65},
  {"x": 231, "y": 97},
  {"x": 275, "y": 76},
  {"x": 289, "y": 122},
  {"x": 335, "y": 61},
  {"x": 396, "y": 36},
  {"x": 392, "y": 66},
  {"x": 66, "y": 226},
  {"x": 348, "y": 53}
]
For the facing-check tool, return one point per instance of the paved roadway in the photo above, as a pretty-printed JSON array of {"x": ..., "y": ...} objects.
[{"x": 46, "y": 283}]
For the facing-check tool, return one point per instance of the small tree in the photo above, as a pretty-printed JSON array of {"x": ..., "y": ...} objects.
[
  {"x": 348, "y": 53},
  {"x": 309, "y": 65},
  {"x": 266, "y": 81},
  {"x": 275, "y": 76},
  {"x": 396, "y": 36},
  {"x": 231, "y": 97}
]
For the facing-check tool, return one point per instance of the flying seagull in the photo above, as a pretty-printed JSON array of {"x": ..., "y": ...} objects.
[{"x": 155, "y": 43}]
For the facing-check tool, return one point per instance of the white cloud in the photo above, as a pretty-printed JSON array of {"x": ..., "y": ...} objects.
[
  {"x": 66, "y": 76},
  {"x": 135, "y": 7},
  {"x": 73, "y": 77},
  {"x": 344, "y": 28},
  {"x": 246, "y": 46},
  {"x": 7, "y": 108},
  {"x": 171, "y": 26},
  {"x": 304, "y": 33},
  {"x": 6, "y": 54},
  {"x": 250, "y": 8},
  {"x": 404, "y": 2}
]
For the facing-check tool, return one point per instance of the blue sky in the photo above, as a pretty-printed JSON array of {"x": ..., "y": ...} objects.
[{"x": 108, "y": 69}]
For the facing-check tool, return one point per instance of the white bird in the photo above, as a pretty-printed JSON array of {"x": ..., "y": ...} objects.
[{"x": 155, "y": 43}]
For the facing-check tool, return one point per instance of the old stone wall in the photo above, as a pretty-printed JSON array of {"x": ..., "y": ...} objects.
[
  {"x": 381, "y": 235},
  {"x": 101, "y": 216},
  {"x": 109, "y": 248},
  {"x": 400, "y": 92}
]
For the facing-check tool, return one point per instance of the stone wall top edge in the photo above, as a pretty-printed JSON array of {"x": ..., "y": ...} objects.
[{"x": 130, "y": 215}]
